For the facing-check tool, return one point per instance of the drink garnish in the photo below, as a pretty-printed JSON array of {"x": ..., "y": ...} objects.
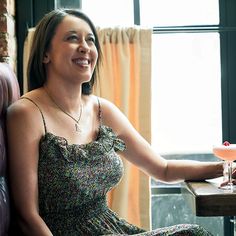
[{"x": 226, "y": 143}]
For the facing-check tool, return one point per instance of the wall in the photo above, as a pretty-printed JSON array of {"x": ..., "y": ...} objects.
[{"x": 8, "y": 51}]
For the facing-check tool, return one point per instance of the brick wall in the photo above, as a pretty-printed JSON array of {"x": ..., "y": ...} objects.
[{"x": 8, "y": 51}]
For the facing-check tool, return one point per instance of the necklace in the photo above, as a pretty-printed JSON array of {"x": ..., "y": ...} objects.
[{"x": 77, "y": 126}]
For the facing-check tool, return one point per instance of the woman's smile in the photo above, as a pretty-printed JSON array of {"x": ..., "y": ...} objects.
[{"x": 83, "y": 62}]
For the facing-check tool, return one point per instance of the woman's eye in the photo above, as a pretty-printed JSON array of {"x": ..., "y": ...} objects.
[
  {"x": 72, "y": 38},
  {"x": 91, "y": 39},
  {"x": 76, "y": 38}
]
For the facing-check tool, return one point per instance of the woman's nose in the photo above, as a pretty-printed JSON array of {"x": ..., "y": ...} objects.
[{"x": 83, "y": 47}]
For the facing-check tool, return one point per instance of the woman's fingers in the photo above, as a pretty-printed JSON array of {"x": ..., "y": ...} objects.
[{"x": 224, "y": 183}]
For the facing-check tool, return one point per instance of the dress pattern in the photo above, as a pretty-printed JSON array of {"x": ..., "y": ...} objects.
[{"x": 73, "y": 183}]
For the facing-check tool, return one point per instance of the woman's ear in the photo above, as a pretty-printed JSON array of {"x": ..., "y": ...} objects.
[{"x": 46, "y": 58}]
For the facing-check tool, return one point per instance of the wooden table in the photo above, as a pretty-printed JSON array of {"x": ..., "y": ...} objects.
[{"x": 206, "y": 199}]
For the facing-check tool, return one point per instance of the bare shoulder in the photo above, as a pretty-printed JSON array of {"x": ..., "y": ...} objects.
[
  {"x": 23, "y": 114},
  {"x": 107, "y": 106},
  {"x": 21, "y": 108},
  {"x": 113, "y": 117},
  {"x": 18, "y": 109},
  {"x": 108, "y": 109}
]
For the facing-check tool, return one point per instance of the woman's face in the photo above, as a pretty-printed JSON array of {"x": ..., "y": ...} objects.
[{"x": 72, "y": 54}]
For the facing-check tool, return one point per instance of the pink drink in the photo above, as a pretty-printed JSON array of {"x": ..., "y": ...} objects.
[{"x": 225, "y": 152}]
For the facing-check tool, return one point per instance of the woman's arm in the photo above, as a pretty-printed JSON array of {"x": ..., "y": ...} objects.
[
  {"x": 140, "y": 153},
  {"x": 24, "y": 130}
]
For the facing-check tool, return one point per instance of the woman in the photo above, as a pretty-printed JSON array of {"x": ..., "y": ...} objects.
[{"x": 63, "y": 141}]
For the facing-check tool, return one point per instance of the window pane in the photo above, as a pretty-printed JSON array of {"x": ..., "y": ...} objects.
[
  {"x": 67, "y": 4},
  {"x": 109, "y": 13},
  {"x": 179, "y": 12},
  {"x": 186, "y": 111}
]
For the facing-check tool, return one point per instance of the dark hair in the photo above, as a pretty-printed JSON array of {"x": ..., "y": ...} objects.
[{"x": 42, "y": 38}]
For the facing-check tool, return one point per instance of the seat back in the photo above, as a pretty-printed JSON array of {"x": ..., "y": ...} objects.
[{"x": 9, "y": 92}]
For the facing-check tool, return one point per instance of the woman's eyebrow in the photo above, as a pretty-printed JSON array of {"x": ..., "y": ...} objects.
[
  {"x": 71, "y": 31},
  {"x": 75, "y": 32}
]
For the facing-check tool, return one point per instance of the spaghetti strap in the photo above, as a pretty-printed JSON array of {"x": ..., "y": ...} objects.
[
  {"x": 99, "y": 112},
  {"x": 44, "y": 123}
]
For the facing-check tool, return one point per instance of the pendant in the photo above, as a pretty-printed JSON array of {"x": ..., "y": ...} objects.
[{"x": 77, "y": 128}]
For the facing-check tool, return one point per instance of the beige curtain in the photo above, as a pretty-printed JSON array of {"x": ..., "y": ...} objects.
[
  {"x": 125, "y": 80},
  {"x": 26, "y": 52}
]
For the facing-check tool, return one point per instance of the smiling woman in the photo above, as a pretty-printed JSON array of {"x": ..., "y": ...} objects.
[{"x": 227, "y": 37}]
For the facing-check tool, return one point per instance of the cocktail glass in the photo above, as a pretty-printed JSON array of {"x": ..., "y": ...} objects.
[{"x": 228, "y": 154}]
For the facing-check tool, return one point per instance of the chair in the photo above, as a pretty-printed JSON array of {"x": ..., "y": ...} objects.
[{"x": 9, "y": 92}]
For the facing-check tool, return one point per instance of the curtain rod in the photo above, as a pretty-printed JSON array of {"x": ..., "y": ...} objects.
[{"x": 192, "y": 29}]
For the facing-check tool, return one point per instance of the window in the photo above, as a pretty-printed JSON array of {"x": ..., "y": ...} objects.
[
  {"x": 107, "y": 13},
  {"x": 186, "y": 92},
  {"x": 179, "y": 13}
]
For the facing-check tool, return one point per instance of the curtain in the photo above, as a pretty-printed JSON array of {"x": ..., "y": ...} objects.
[
  {"x": 26, "y": 52},
  {"x": 125, "y": 80}
]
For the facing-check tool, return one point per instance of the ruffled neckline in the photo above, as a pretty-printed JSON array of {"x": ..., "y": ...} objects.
[
  {"x": 105, "y": 141},
  {"x": 103, "y": 130}
]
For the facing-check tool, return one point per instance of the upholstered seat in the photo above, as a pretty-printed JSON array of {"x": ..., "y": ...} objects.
[{"x": 9, "y": 92}]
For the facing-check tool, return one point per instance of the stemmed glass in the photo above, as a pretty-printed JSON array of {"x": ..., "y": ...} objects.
[{"x": 226, "y": 152}]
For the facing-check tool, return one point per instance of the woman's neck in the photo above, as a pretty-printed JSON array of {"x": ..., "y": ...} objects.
[{"x": 67, "y": 98}]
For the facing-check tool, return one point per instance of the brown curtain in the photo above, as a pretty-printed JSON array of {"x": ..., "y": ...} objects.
[{"x": 125, "y": 80}]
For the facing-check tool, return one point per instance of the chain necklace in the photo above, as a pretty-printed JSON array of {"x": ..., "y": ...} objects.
[{"x": 77, "y": 126}]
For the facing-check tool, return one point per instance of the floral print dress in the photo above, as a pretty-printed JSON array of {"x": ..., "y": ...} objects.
[{"x": 73, "y": 183}]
